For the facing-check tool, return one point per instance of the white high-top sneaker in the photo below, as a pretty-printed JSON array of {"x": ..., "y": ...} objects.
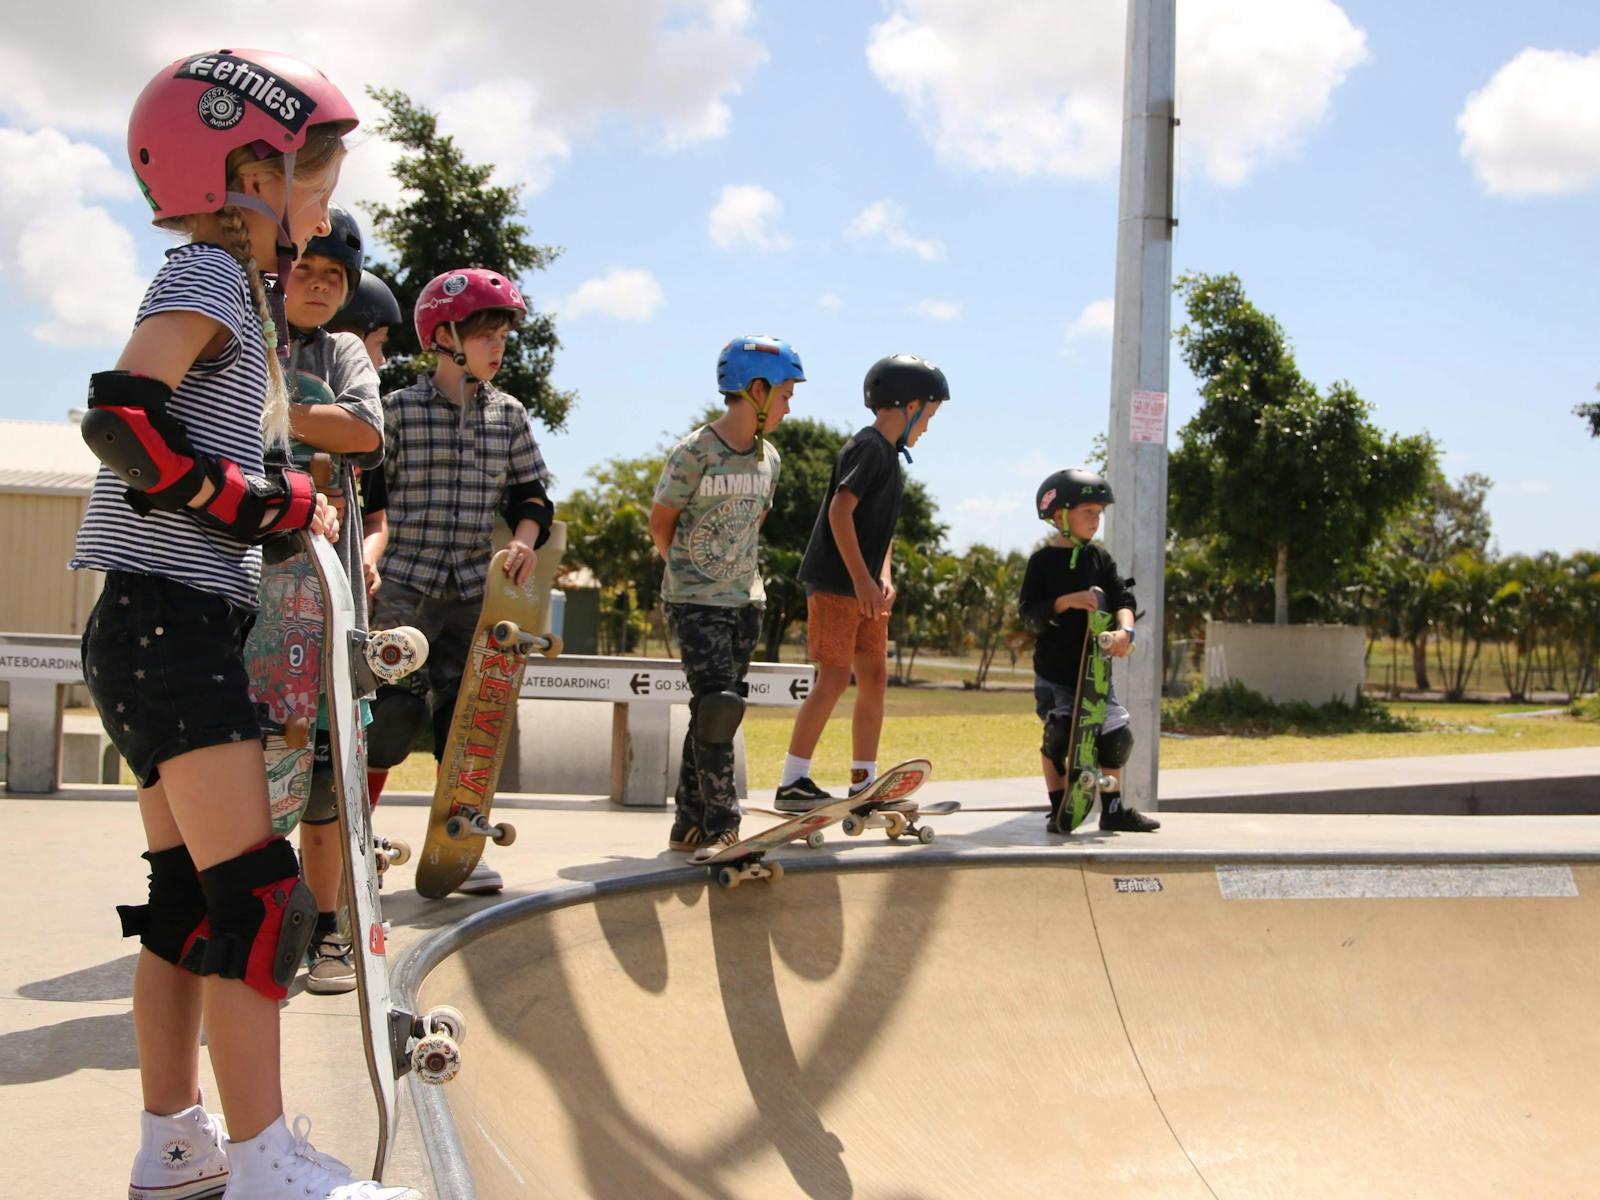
[
  {"x": 180, "y": 1157},
  {"x": 280, "y": 1165}
]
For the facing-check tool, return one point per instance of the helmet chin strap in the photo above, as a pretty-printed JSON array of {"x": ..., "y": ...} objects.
[
  {"x": 761, "y": 419},
  {"x": 287, "y": 252},
  {"x": 1077, "y": 543},
  {"x": 905, "y": 434}
]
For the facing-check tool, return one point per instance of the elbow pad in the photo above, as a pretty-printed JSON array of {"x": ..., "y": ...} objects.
[
  {"x": 131, "y": 432},
  {"x": 528, "y": 502}
]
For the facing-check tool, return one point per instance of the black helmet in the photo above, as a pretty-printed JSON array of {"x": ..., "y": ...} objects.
[
  {"x": 1070, "y": 488},
  {"x": 897, "y": 380},
  {"x": 371, "y": 306},
  {"x": 342, "y": 243}
]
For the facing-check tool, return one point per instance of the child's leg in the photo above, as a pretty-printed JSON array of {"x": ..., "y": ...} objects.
[
  {"x": 320, "y": 861},
  {"x": 216, "y": 799},
  {"x": 814, "y": 712},
  {"x": 707, "y": 639},
  {"x": 871, "y": 661},
  {"x": 830, "y": 638}
]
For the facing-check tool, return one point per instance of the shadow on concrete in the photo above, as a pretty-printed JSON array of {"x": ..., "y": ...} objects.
[{"x": 105, "y": 981}]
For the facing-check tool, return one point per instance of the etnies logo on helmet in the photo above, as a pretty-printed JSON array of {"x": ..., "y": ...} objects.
[{"x": 240, "y": 82}]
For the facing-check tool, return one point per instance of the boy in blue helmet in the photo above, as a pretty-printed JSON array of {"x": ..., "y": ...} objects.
[
  {"x": 714, "y": 493},
  {"x": 1056, "y": 597},
  {"x": 846, "y": 573}
]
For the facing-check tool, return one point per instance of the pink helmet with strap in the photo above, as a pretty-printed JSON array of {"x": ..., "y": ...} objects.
[
  {"x": 456, "y": 295},
  {"x": 200, "y": 109}
]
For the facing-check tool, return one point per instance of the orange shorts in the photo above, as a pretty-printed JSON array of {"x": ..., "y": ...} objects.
[{"x": 836, "y": 631}]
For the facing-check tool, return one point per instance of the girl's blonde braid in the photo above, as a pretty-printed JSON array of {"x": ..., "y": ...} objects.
[{"x": 275, "y": 410}]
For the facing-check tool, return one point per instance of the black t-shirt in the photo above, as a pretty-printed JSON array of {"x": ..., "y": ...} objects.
[
  {"x": 868, "y": 468},
  {"x": 1059, "y": 646}
]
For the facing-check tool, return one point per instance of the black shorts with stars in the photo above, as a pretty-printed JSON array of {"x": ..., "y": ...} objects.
[{"x": 165, "y": 666}]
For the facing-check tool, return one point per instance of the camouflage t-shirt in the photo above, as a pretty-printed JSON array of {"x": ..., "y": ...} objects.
[{"x": 723, "y": 495}]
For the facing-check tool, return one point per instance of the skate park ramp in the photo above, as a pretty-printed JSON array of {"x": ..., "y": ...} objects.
[{"x": 951, "y": 1028}]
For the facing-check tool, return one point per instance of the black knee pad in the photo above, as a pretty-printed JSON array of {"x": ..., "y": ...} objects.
[
  {"x": 167, "y": 924},
  {"x": 260, "y": 917},
  {"x": 1057, "y": 733},
  {"x": 1112, "y": 749},
  {"x": 443, "y": 716},
  {"x": 398, "y": 715},
  {"x": 716, "y": 716}
]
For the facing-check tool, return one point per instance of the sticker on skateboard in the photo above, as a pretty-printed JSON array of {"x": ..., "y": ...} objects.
[
  {"x": 510, "y": 628},
  {"x": 730, "y": 865}
]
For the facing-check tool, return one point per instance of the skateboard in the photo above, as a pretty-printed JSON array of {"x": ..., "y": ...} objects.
[
  {"x": 1084, "y": 781},
  {"x": 284, "y": 656},
  {"x": 731, "y": 865},
  {"x": 395, "y": 1041},
  {"x": 511, "y": 627},
  {"x": 898, "y": 819}
]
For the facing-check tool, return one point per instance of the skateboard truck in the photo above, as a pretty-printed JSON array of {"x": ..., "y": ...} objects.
[
  {"x": 895, "y": 823},
  {"x": 509, "y": 635},
  {"x": 429, "y": 1044},
  {"x": 470, "y": 823},
  {"x": 730, "y": 876}
]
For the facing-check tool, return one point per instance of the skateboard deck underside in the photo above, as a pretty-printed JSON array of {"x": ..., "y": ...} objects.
[
  {"x": 284, "y": 657},
  {"x": 1088, "y": 715},
  {"x": 485, "y": 712}
]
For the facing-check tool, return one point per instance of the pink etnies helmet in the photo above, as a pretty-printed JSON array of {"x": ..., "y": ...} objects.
[
  {"x": 200, "y": 109},
  {"x": 456, "y": 295}
]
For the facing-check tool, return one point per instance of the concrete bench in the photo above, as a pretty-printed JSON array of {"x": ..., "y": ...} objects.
[
  {"x": 42, "y": 746},
  {"x": 632, "y": 751}
]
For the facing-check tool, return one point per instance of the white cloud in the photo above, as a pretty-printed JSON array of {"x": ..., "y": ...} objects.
[
  {"x": 1094, "y": 321},
  {"x": 830, "y": 302},
  {"x": 1532, "y": 487},
  {"x": 1034, "y": 87},
  {"x": 1004, "y": 521},
  {"x": 884, "y": 220},
  {"x": 58, "y": 250},
  {"x": 623, "y": 293},
  {"x": 1534, "y": 128},
  {"x": 665, "y": 69},
  {"x": 743, "y": 218},
  {"x": 937, "y": 310}
]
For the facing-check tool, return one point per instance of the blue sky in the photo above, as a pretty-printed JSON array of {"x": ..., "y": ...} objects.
[{"x": 1413, "y": 197}]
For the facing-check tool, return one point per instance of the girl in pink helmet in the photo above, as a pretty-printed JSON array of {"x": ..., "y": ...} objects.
[{"x": 240, "y": 150}]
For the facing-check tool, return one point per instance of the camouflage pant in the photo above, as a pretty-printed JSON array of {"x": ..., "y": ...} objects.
[{"x": 716, "y": 644}]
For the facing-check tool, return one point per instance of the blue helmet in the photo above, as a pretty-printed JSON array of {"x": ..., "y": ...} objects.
[{"x": 757, "y": 356}]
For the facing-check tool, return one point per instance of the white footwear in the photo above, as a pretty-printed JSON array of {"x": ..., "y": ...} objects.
[
  {"x": 280, "y": 1165},
  {"x": 180, "y": 1157},
  {"x": 484, "y": 881}
]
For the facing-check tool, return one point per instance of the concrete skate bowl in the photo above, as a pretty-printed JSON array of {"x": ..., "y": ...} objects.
[{"x": 1048, "y": 1025}]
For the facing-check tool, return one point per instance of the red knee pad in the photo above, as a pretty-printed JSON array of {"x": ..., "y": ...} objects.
[
  {"x": 260, "y": 917},
  {"x": 166, "y": 925},
  {"x": 375, "y": 782}
]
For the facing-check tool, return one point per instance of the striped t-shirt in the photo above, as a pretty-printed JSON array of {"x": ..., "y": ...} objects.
[{"x": 219, "y": 403}]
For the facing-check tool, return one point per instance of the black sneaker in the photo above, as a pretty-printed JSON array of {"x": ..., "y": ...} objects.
[
  {"x": 1127, "y": 820},
  {"x": 685, "y": 835},
  {"x": 800, "y": 796}
]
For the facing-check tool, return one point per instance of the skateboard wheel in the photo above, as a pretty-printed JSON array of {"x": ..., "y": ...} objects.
[
  {"x": 399, "y": 852},
  {"x": 774, "y": 872},
  {"x": 504, "y": 834},
  {"x": 455, "y": 828},
  {"x": 436, "y": 1059},
  {"x": 815, "y": 840},
  {"x": 851, "y": 825},
  {"x": 728, "y": 878},
  {"x": 504, "y": 633},
  {"x": 895, "y": 823},
  {"x": 553, "y": 650},
  {"x": 446, "y": 1020},
  {"x": 924, "y": 835},
  {"x": 297, "y": 733}
]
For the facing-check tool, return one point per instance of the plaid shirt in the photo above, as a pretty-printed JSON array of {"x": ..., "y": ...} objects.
[{"x": 447, "y": 472}]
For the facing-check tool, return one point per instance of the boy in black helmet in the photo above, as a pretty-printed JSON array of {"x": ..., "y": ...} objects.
[
  {"x": 1057, "y": 596},
  {"x": 846, "y": 573}
]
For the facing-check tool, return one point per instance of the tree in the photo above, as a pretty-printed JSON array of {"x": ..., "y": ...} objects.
[
  {"x": 1272, "y": 469},
  {"x": 608, "y": 531},
  {"x": 454, "y": 217},
  {"x": 1590, "y": 412},
  {"x": 985, "y": 593}
]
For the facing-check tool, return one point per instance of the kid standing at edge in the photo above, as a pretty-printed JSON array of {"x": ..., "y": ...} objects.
[
  {"x": 1057, "y": 596},
  {"x": 846, "y": 573},
  {"x": 178, "y": 510},
  {"x": 714, "y": 494}
]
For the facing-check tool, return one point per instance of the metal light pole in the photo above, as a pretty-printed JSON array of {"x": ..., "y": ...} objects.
[{"x": 1142, "y": 330}]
